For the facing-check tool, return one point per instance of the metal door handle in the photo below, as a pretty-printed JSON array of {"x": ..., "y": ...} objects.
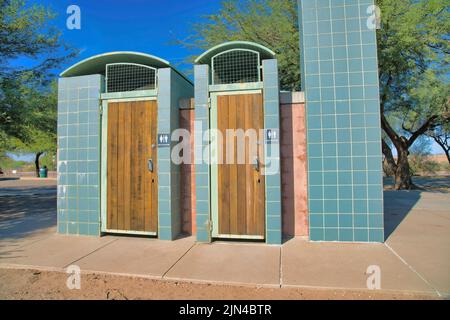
[
  {"x": 150, "y": 165},
  {"x": 256, "y": 164}
]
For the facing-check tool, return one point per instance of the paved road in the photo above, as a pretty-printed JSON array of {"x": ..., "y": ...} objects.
[{"x": 27, "y": 208}]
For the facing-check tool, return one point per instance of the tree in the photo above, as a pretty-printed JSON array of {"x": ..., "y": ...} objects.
[
  {"x": 273, "y": 24},
  {"x": 27, "y": 99},
  {"x": 413, "y": 55},
  {"x": 39, "y": 126}
]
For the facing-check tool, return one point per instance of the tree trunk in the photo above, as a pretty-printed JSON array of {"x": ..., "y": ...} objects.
[
  {"x": 402, "y": 173},
  {"x": 389, "y": 165},
  {"x": 36, "y": 163}
]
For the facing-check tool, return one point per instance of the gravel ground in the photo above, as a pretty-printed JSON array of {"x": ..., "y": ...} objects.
[{"x": 36, "y": 285}]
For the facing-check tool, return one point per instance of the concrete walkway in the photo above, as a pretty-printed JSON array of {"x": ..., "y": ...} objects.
[{"x": 414, "y": 259}]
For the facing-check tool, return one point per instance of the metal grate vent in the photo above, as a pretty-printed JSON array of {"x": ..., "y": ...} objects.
[
  {"x": 124, "y": 77},
  {"x": 236, "y": 66}
]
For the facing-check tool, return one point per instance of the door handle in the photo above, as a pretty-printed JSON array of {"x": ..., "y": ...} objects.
[
  {"x": 150, "y": 165},
  {"x": 256, "y": 164}
]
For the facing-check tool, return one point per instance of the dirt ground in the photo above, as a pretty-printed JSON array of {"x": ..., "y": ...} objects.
[
  {"x": 431, "y": 183},
  {"x": 16, "y": 284}
]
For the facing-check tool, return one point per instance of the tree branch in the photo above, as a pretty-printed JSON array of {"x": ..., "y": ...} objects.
[
  {"x": 395, "y": 138},
  {"x": 422, "y": 130},
  {"x": 444, "y": 147}
]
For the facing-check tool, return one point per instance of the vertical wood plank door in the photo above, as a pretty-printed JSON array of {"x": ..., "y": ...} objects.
[
  {"x": 241, "y": 187},
  {"x": 132, "y": 198}
]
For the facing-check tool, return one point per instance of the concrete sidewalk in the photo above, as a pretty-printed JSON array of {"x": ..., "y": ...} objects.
[{"x": 415, "y": 258}]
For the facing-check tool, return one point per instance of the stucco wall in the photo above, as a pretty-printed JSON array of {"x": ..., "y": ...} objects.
[
  {"x": 187, "y": 205},
  {"x": 294, "y": 175}
]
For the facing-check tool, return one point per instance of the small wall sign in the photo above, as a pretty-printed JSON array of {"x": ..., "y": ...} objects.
[
  {"x": 163, "y": 140},
  {"x": 272, "y": 136}
]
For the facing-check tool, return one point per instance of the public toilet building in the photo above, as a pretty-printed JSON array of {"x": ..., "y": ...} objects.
[
  {"x": 309, "y": 164},
  {"x": 116, "y": 112}
]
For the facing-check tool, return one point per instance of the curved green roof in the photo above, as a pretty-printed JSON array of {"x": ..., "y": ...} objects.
[
  {"x": 97, "y": 64},
  {"x": 206, "y": 57}
]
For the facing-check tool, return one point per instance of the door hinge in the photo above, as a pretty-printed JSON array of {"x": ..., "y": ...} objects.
[
  {"x": 210, "y": 226},
  {"x": 100, "y": 110}
]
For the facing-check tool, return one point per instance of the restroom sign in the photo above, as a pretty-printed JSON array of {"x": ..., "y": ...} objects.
[
  {"x": 163, "y": 140},
  {"x": 272, "y": 136}
]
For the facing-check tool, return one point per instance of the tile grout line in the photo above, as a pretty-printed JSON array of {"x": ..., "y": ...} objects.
[
  {"x": 178, "y": 260},
  {"x": 92, "y": 252},
  {"x": 413, "y": 270}
]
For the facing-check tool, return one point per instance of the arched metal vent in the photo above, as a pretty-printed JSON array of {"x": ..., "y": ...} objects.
[
  {"x": 236, "y": 66},
  {"x": 124, "y": 77}
]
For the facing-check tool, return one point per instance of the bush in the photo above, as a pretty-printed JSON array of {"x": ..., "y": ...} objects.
[
  {"x": 6, "y": 163},
  {"x": 422, "y": 165}
]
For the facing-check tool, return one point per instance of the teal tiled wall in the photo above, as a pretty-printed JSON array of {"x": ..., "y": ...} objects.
[
  {"x": 273, "y": 179},
  {"x": 78, "y": 155},
  {"x": 201, "y": 167},
  {"x": 172, "y": 88},
  {"x": 340, "y": 80}
]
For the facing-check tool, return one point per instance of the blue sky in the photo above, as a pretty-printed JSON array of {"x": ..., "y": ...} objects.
[{"x": 149, "y": 26}]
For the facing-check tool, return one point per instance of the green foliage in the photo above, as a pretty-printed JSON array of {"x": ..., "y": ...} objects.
[
  {"x": 25, "y": 31},
  {"x": 39, "y": 126},
  {"x": 419, "y": 159},
  {"x": 423, "y": 165},
  {"x": 426, "y": 98},
  {"x": 413, "y": 51},
  {"x": 273, "y": 24},
  {"x": 27, "y": 95},
  {"x": 49, "y": 160},
  {"x": 7, "y": 163}
]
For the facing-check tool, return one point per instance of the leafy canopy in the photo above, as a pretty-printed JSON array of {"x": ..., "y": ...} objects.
[
  {"x": 27, "y": 102},
  {"x": 413, "y": 51},
  {"x": 273, "y": 24}
]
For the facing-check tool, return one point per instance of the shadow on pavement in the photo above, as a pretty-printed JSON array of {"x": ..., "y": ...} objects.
[
  {"x": 8, "y": 179},
  {"x": 27, "y": 214},
  {"x": 397, "y": 205}
]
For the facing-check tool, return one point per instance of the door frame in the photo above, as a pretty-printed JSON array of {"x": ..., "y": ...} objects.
[
  {"x": 104, "y": 166},
  {"x": 214, "y": 167}
]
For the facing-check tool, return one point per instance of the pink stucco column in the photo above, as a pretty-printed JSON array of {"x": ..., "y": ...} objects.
[
  {"x": 294, "y": 176},
  {"x": 187, "y": 118}
]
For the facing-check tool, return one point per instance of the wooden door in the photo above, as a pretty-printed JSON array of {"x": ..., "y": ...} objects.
[
  {"x": 241, "y": 186},
  {"x": 132, "y": 187}
]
